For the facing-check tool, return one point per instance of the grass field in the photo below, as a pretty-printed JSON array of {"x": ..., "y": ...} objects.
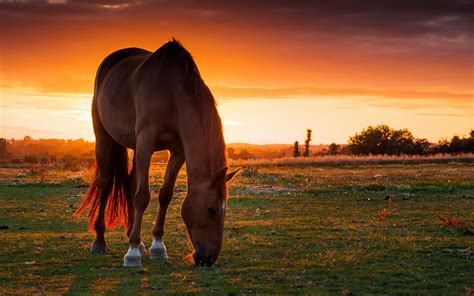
[{"x": 289, "y": 229}]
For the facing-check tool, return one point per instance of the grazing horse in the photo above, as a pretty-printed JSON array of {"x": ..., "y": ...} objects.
[{"x": 150, "y": 102}]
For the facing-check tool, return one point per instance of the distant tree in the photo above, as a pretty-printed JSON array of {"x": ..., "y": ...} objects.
[
  {"x": 306, "y": 143},
  {"x": 382, "y": 139},
  {"x": 469, "y": 143},
  {"x": 296, "y": 150},
  {"x": 455, "y": 145},
  {"x": 4, "y": 154},
  {"x": 333, "y": 149},
  {"x": 442, "y": 147},
  {"x": 400, "y": 142},
  {"x": 422, "y": 146},
  {"x": 372, "y": 140}
]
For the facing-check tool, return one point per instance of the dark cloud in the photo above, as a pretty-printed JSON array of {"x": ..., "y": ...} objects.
[
  {"x": 341, "y": 35},
  {"x": 366, "y": 18},
  {"x": 424, "y": 22}
]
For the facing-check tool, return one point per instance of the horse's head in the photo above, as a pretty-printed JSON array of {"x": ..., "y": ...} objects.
[{"x": 203, "y": 212}]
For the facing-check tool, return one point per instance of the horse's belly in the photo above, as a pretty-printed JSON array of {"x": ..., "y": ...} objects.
[{"x": 117, "y": 115}]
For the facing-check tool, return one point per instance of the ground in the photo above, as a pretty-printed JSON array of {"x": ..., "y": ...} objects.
[{"x": 299, "y": 228}]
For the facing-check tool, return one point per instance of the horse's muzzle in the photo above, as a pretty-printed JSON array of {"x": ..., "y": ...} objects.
[{"x": 201, "y": 258}]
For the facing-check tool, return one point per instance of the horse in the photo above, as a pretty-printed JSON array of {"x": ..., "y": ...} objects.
[{"x": 147, "y": 102}]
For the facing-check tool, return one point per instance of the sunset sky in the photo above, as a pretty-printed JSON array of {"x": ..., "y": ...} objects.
[{"x": 275, "y": 67}]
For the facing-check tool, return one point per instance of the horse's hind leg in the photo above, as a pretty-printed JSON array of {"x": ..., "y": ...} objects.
[
  {"x": 104, "y": 180},
  {"x": 175, "y": 162},
  {"x": 144, "y": 151}
]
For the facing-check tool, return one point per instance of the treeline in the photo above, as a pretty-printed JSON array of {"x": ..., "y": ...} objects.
[
  {"x": 18, "y": 149},
  {"x": 456, "y": 145},
  {"x": 72, "y": 154},
  {"x": 373, "y": 140},
  {"x": 383, "y": 140}
]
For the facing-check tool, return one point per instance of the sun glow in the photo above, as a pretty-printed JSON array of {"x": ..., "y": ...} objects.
[
  {"x": 271, "y": 81},
  {"x": 248, "y": 119}
]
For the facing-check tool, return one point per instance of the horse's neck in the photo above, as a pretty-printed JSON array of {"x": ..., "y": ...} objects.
[{"x": 200, "y": 163}]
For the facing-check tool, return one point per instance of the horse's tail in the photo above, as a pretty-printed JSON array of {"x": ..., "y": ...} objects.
[{"x": 117, "y": 192}]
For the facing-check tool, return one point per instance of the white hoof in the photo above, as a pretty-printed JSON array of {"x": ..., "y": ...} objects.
[
  {"x": 132, "y": 258},
  {"x": 158, "y": 250}
]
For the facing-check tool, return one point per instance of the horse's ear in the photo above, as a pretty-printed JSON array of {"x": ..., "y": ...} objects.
[
  {"x": 230, "y": 175},
  {"x": 219, "y": 175}
]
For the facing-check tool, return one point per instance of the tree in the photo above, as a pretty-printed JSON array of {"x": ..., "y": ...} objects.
[
  {"x": 306, "y": 143},
  {"x": 400, "y": 142},
  {"x": 372, "y": 140},
  {"x": 469, "y": 142},
  {"x": 333, "y": 149},
  {"x": 382, "y": 139},
  {"x": 296, "y": 150},
  {"x": 456, "y": 144},
  {"x": 4, "y": 154},
  {"x": 422, "y": 146},
  {"x": 443, "y": 146}
]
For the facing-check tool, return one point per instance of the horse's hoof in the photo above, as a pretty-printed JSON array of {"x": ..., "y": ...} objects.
[
  {"x": 98, "y": 248},
  {"x": 142, "y": 248},
  {"x": 132, "y": 261},
  {"x": 158, "y": 254},
  {"x": 158, "y": 250},
  {"x": 132, "y": 258}
]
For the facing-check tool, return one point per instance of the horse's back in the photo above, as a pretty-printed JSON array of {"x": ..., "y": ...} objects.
[
  {"x": 113, "y": 94},
  {"x": 137, "y": 89},
  {"x": 116, "y": 57}
]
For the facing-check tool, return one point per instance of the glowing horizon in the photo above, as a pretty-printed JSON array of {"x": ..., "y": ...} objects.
[{"x": 67, "y": 115}]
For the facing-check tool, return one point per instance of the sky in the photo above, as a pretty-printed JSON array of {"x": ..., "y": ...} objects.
[{"x": 276, "y": 67}]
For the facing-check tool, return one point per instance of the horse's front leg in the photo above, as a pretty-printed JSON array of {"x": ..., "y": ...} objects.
[
  {"x": 144, "y": 151},
  {"x": 130, "y": 202},
  {"x": 175, "y": 162}
]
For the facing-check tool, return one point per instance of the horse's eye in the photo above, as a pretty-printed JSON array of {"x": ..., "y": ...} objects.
[{"x": 211, "y": 212}]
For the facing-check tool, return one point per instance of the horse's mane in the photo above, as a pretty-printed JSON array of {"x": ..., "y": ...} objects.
[{"x": 207, "y": 106}]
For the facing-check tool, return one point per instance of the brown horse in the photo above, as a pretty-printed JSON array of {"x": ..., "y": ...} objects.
[{"x": 149, "y": 102}]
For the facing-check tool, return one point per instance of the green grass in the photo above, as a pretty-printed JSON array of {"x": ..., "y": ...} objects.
[{"x": 317, "y": 231}]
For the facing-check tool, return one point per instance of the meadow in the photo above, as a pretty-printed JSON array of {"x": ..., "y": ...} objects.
[{"x": 344, "y": 228}]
